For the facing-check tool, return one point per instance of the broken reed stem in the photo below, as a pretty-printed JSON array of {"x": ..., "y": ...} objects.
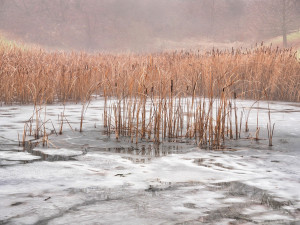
[
  {"x": 257, "y": 128},
  {"x": 270, "y": 129},
  {"x": 236, "y": 121}
]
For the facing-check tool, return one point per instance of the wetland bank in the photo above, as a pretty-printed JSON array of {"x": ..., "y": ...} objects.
[{"x": 166, "y": 138}]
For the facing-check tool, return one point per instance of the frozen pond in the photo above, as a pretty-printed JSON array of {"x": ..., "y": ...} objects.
[{"x": 90, "y": 178}]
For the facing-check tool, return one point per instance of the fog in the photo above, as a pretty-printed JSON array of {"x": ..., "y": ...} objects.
[{"x": 146, "y": 25}]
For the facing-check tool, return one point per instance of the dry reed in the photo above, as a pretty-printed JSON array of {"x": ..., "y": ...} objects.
[{"x": 167, "y": 96}]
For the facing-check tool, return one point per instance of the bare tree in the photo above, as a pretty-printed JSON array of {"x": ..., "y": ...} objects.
[{"x": 275, "y": 17}]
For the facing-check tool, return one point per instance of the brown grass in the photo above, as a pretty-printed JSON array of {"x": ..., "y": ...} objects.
[
  {"x": 36, "y": 75},
  {"x": 150, "y": 91}
]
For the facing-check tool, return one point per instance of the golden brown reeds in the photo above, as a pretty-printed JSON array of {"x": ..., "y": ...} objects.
[
  {"x": 171, "y": 95},
  {"x": 63, "y": 77}
]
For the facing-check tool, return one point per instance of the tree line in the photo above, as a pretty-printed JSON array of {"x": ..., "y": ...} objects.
[{"x": 137, "y": 24}]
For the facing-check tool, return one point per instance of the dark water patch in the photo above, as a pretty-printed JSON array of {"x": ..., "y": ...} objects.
[
  {"x": 190, "y": 205},
  {"x": 139, "y": 160},
  {"x": 238, "y": 189},
  {"x": 255, "y": 197},
  {"x": 142, "y": 153},
  {"x": 15, "y": 148},
  {"x": 235, "y": 213},
  {"x": 17, "y": 203},
  {"x": 232, "y": 212},
  {"x": 157, "y": 189},
  {"x": 6, "y": 115},
  {"x": 200, "y": 162},
  {"x": 8, "y": 126},
  {"x": 171, "y": 186},
  {"x": 46, "y": 199},
  {"x": 286, "y": 111},
  {"x": 29, "y": 147},
  {"x": 16, "y": 162},
  {"x": 52, "y": 158},
  {"x": 210, "y": 163},
  {"x": 222, "y": 166},
  {"x": 122, "y": 174}
]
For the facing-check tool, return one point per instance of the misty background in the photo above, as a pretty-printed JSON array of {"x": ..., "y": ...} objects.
[{"x": 146, "y": 25}]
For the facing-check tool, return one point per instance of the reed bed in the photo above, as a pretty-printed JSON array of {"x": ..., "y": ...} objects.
[
  {"x": 163, "y": 96},
  {"x": 36, "y": 75}
]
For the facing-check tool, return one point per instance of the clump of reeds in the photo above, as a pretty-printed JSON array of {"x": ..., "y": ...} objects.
[
  {"x": 168, "y": 115},
  {"x": 257, "y": 73},
  {"x": 166, "y": 96}
]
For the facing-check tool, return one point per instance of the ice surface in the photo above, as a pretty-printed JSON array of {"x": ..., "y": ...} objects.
[
  {"x": 89, "y": 178},
  {"x": 17, "y": 156},
  {"x": 60, "y": 151}
]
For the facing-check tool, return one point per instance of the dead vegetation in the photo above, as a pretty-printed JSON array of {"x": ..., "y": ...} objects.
[
  {"x": 36, "y": 75},
  {"x": 157, "y": 97}
]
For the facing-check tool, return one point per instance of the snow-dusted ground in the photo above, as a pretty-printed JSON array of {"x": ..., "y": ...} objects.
[{"x": 89, "y": 178}]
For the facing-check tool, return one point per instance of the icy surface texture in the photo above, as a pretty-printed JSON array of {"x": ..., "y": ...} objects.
[{"x": 89, "y": 178}]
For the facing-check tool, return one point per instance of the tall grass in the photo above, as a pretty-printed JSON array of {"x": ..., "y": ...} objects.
[
  {"x": 36, "y": 75},
  {"x": 154, "y": 96}
]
